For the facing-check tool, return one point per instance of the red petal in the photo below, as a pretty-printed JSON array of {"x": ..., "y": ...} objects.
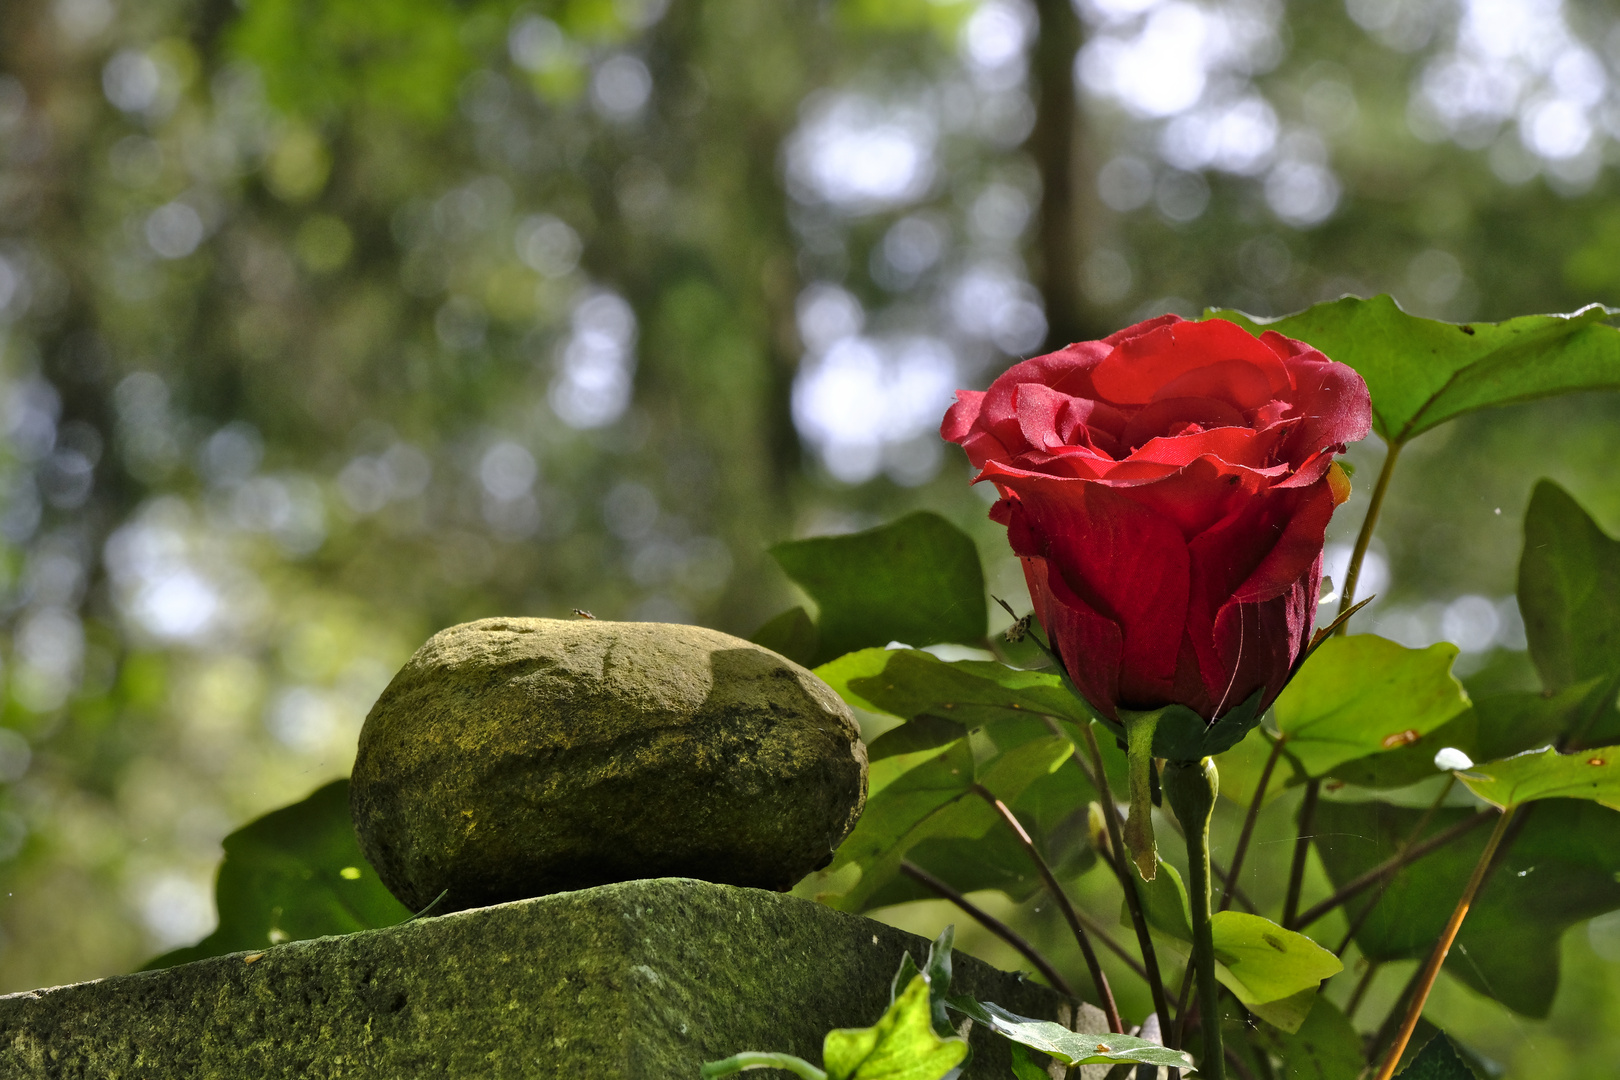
[{"x": 1135, "y": 371}]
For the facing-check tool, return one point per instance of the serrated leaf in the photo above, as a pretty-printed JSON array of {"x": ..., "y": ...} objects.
[
  {"x": 1546, "y": 774},
  {"x": 1560, "y": 869},
  {"x": 915, "y": 580},
  {"x": 1569, "y": 590},
  {"x": 932, "y": 800},
  {"x": 1438, "y": 1060},
  {"x": 1423, "y": 372},
  {"x": 1364, "y": 694},
  {"x": 1324, "y": 1047},
  {"x": 1495, "y": 726},
  {"x": 293, "y": 874},
  {"x": 902, "y": 1045},
  {"x": 1070, "y": 1047}
]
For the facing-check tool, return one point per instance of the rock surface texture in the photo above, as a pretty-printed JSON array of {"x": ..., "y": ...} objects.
[
  {"x": 512, "y": 758},
  {"x": 645, "y": 980}
]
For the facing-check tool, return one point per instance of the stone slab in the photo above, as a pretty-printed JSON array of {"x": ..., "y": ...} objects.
[{"x": 633, "y": 981}]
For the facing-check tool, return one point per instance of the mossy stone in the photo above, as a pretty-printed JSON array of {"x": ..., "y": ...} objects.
[{"x": 513, "y": 758}]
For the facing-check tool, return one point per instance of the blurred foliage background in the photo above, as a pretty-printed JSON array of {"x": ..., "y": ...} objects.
[{"x": 326, "y": 325}]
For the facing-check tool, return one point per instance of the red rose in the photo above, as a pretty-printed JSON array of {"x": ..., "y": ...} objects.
[{"x": 1168, "y": 490}]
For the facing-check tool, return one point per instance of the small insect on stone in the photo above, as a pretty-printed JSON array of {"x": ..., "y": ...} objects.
[{"x": 581, "y": 613}]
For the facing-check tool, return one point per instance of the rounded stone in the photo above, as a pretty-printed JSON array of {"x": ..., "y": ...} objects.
[{"x": 512, "y": 758}]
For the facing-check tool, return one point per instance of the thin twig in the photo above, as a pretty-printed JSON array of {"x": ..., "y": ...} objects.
[
  {"x": 1302, "y": 848},
  {"x": 1098, "y": 777},
  {"x": 1249, "y": 819},
  {"x": 1182, "y": 1014},
  {"x": 1110, "y": 1007},
  {"x": 1437, "y": 957},
  {"x": 1388, "y": 868},
  {"x": 1366, "y": 911},
  {"x": 1352, "y": 574},
  {"x": 990, "y": 923},
  {"x": 1361, "y": 989}
]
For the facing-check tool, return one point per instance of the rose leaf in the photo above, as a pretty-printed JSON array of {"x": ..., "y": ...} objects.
[{"x": 916, "y": 580}]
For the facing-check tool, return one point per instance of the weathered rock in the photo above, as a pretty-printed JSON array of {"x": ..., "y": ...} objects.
[
  {"x": 511, "y": 758},
  {"x": 644, "y": 980}
]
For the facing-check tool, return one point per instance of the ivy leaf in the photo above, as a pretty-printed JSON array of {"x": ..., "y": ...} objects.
[
  {"x": 1423, "y": 372},
  {"x": 902, "y": 1045},
  {"x": 1364, "y": 694},
  {"x": 1546, "y": 774},
  {"x": 839, "y": 673},
  {"x": 293, "y": 874},
  {"x": 916, "y": 580},
  {"x": 1569, "y": 590},
  {"x": 1438, "y": 1060},
  {"x": 1559, "y": 870},
  {"x": 1070, "y": 1047},
  {"x": 929, "y": 800},
  {"x": 1325, "y": 1046},
  {"x": 1495, "y": 726}
]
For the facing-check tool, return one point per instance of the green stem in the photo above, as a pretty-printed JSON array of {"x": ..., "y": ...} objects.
[
  {"x": 1302, "y": 849},
  {"x": 990, "y": 923},
  {"x": 1431, "y": 967},
  {"x": 1133, "y": 902},
  {"x": 1190, "y": 788},
  {"x": 754, "y": 1059},
  {"x": 1352, "y": 575},
  {"x": 1248, "y": 825}
]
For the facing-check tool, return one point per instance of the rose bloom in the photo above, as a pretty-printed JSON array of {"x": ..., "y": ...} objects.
[{"x": 1168, "y": 489}]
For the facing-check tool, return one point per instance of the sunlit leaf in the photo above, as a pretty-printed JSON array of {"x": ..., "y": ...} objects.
[
  {"x": 902, "y": 1045},
  {"x": 859, "y": 664},
  {"x": 1423, "y": 372},
  {"x": 1495, "y": 726},
  {"x": 1557, "y": 870},
  {"x": 1070, "y": 1047},
  {"x": 916, "y": 580},
  {"x": 1546, "y": 774},
  {"x": 1569, "y": 590},
  {"x": 935, "y": 800},
  {"x": 294, "y": 873},
  {"x": 969, "y": 692},
  {"x": 1363, "y": 694}
]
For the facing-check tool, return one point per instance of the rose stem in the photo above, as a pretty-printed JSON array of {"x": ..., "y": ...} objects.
[
  {"x": 1248, "y": 825},
  {"x": 990, "y": 923},
  {"x": 1190, "y": 789},
  {"x": 1431, "y": 967},
  {"x": 1388, "y": 869},
  {"x": 1302, "y": 847},
  {"x": 1098, "y": 777},
  {"x": 1352, "y": 574},
  {"x": 1220, "y": 875},
  {"x": 1361, "y": 989},
  {"x": 1097, "y": 977}
]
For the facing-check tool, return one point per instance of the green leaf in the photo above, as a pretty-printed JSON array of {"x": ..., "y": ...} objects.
[
  {"x": 1569, "y": 590},
  {"x": 1362, "y": 695},
  {"x": 1560, "y": 869},
  {"x": 916, "y": 580},
  {"x": 1070, "y": 1047},
  {"x": 1546, "y": 774},
  {"x": 1423, "y": 372},
  {"x": 1324, "y": 1047},
  {"x": 1259, "y": 961},
  {"x": 1241, "y": 767},
  {"x": 1438, "y": 1060},
  {"x": 932, "y": 800},
  {"x": 1183, "y": 735},
  {"x": 1024, "y": 1067},
  {"x": 792, "y": 634},
  {"x": 969, "y": 692},
  {"x": 856, "y": 665},
  {"x": 293, "y": 874},
  {"x": 902, "y": 1045},
  {"x": 1495, "y": 726}
]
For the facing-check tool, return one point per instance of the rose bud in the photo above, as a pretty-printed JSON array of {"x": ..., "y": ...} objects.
[{"x": 1168, "y": 489}]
